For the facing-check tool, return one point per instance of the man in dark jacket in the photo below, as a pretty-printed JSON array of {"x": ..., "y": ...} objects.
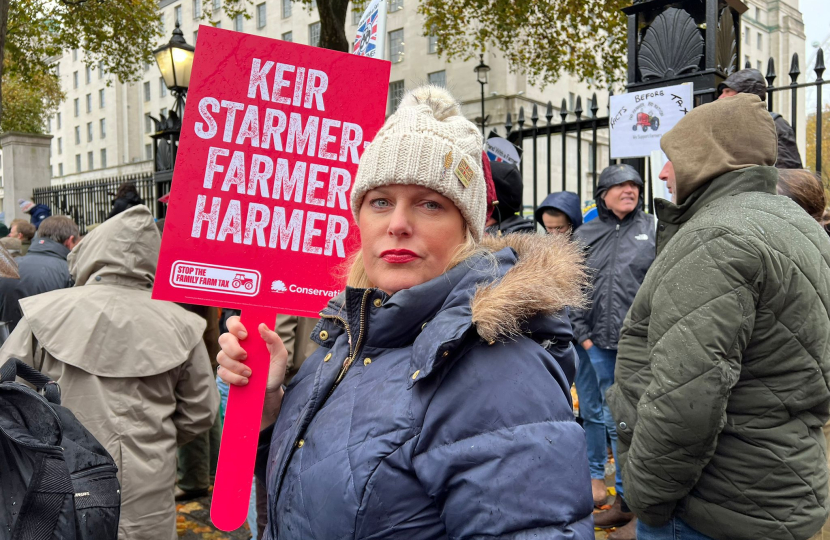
[
  {"x": 620, "y": 246},
  {"x": 509, "y": 191},
  {"x": 560, "y": 213},
  {"x": 39, "y": 212},
  {"x": 750, "y": 81},
  {"x": 721, "y": 384},
  {"x": 42, "y": 269}
]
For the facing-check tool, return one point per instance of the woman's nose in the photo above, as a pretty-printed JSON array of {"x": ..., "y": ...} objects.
[{"x": 400, "y": 223}]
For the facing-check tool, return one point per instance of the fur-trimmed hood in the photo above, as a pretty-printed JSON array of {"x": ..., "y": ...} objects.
[{"x": 517, "y": 285}]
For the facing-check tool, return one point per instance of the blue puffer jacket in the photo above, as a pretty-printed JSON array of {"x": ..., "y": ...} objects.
[{"x": 453, "y": 420}]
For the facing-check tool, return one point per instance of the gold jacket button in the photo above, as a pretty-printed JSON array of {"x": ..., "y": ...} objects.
[
  {"x": 324, "y": 335},
  {"x": 415, "y": 375},
  {"x": 327, "y": 358},
  {"x": 446, "y": 354},
  {"x": 378, "y": 302},
  {"x": 300, "y": 443},
  {"x": 367, "y": 361}
]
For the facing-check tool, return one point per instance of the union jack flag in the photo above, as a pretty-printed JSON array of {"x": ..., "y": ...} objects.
[{"x": 365, "y": 44}]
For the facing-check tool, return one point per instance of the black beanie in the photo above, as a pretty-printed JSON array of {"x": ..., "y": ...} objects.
[{"x": 509, "y": 188}]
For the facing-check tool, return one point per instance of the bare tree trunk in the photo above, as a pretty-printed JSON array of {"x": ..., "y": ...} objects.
[
  {"x": 4, "y": 24},
  {"x": 332, "y": 24}
]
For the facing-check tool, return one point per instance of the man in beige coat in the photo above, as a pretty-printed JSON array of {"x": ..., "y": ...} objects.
[{"x": 133, "y": 370}]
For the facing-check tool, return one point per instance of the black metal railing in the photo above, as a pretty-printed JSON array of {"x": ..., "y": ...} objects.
[{"x": 90, "y": 202}]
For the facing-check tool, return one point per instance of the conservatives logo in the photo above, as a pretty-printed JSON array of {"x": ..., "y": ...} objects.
[{"x": 278, "y": 286}]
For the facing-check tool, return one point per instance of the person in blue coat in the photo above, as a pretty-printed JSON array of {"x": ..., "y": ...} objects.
[
  {"x": 437, "y": 405},
  {"x": 560, "y": 212}
]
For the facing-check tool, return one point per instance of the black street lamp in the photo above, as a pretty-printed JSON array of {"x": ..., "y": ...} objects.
[
  {"x": 481, "y": 74},
  {"x": 175, "y": 61}
]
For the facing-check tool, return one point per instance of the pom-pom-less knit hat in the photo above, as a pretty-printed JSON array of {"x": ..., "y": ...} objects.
[{"x": 427, "y": 142}]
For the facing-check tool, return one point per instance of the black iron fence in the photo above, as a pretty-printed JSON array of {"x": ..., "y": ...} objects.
[
  {"x": 90, "y": 202},
  {"x": 586, "y": 128}
]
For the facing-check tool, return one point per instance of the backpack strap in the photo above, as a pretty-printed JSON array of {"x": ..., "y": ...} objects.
[
  {"x": 16, "y": 368},
  {"x": 775, "y": 116},
  {"x": 45, "y": 501}
]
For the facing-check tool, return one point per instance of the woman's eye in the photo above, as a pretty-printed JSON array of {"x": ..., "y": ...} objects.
[
  {"x": 380, "y": 203},
  {"x": 432, "y": 205}
]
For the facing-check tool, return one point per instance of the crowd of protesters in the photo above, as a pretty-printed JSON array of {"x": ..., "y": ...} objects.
[{"x": 432, "y": 398}]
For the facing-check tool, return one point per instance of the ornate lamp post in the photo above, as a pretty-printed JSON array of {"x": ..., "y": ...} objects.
[
  {"x": 175, "y": 61},
  {"x": 482, "y": 70}
]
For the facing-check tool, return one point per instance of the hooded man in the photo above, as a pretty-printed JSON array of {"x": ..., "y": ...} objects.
[
  {"x": 134, "y": 371},
  {"x": 560, "y": 213},
  {"x": 505, "y": 218},
  {"x": 721, "y": 383},
  {"x": 750, "y": 81}
]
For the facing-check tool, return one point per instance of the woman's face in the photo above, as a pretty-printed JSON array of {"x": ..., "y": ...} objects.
[{"x": 409, "y": 235}]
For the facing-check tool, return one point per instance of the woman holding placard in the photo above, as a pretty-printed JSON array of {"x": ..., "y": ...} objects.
[{"x": 437, "y": 405}]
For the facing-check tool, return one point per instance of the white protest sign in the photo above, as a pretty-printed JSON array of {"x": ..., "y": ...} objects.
[
  {"x": 639, "y": 119},
  {"x": 500, "y": 149},
  {"x": 371, "y": 31}
]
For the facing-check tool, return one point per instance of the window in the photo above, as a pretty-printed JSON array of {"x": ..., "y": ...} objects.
[
  {"x": 395, "y": 5},
  {"x": 89, "y": 163},
  {"x": 237, "y": 23},
  {"x": 164, "y": 112},
  {"x": 75, "y": 55},
  {"x": 49, "y": 124},
  {"x": 571, "y": 101},
  {"x": 77, "y": 162},
  {"x": 77, "y": 107},
  {"x": 758, "y": 66},
  {"x": 288, "y": 36},
  {"x": 313, "y": 5},
  {"x": 103, "y": 125},
  {"x": 163, "y": 29},
  {"x": 57, "y": 70},
  {"x": 746, "y": 60},
  {"x": 195, "y": 35},
  {"x": 103, "y": 158},
  {"x": 757, "y": 14},
  {"x": 162, "y": 87},
  {"x": 215, "y": 5},
  {"x": 439, "y": 78},
  {"x": 74, "y": 79},
  {"x": 148, "y": 151},
  {"x": 760, "y": 41},
  {"x": 60, "y": 169},
  {"x": 88, "y": 74},
  {"x": 77, "y": 134},
  {"x": 100, "y": 70},
  {"x": 60, "y": 145},
  {"x": 218, "y": 24},
  {"x": 101, "y": 99},
  {"x": 260, "y": 15},
  {"x": 356, "y": 15},
  {"x": 432, "y": 41},
  {"x": 177, "y": 11},
  {"x": 197, "y": 9},
  {"x": 396, "y": 90},
  {"x": 396, "y": 46},
  {"x": 746, "y": 36},
  {"x": 146, "y": 66},
  {"x": 314, "y": 34},
  {"x": 89, "y": 132},
  {"x": 147, "y": 91},
  {"x": 148, "y": 123},
  {"x": 89, "y": 103},
  {"x": 286, "y": 9},
  {"x": 59, "y": 120}
]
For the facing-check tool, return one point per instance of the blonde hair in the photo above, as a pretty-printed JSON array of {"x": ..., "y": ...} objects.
[{"x": 358, "y": 278}]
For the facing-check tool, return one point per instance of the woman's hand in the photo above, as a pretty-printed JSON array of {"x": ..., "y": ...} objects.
[{"x": 233, "y": 370}]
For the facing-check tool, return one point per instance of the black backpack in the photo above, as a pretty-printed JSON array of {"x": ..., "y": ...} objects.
[{"x": 56, "y": 480}]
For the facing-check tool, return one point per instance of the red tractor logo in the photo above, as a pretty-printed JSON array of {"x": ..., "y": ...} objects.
[
  {"x": 239, "y": 280},
  {"x": 646, "y": 121}
]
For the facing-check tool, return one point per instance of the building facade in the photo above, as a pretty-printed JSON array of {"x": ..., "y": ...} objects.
[{"x": 103, "y": 128}]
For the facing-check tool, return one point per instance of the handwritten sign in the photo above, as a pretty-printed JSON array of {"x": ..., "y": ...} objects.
[{"x": 639, "y": 119}]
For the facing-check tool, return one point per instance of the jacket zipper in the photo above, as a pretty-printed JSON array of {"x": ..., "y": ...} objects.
[
  {"x": 611, "y": 285},
  {"x": 352, "y": 352}
]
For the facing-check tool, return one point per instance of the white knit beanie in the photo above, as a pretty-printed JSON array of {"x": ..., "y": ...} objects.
[{"x": 427, "y": 142}]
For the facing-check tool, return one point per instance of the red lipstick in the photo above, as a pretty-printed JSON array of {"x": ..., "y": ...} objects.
[{"x": 398, "y": 256}]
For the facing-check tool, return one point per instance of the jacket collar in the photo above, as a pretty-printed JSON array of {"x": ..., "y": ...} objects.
[
  {"x": 47, "y": 246},
  {"x": 672, "y": 216}
]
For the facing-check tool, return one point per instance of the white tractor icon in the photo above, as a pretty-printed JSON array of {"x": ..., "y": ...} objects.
[{"x": 278, "y": 286}]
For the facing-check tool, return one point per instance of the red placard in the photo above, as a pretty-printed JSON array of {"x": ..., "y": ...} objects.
[
  {"x": 259, "y": 210},
  {"x": 259, "y": 214}
]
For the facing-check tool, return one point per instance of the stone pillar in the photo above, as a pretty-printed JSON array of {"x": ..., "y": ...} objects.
[{"x": 25, "y": 167}]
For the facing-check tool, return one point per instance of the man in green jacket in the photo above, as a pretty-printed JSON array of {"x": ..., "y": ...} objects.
[{"x": 724, "y": 358}]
